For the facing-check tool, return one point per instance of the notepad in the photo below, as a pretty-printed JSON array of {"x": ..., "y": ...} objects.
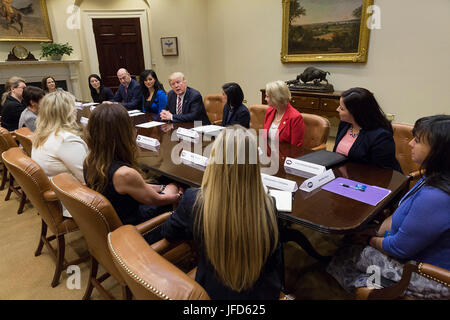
[
  {"x": 371, "y": 195},
  {"x": 283, "y": 200},
  {"x": 150, "y": 124},
  {"x": 136, "y": 114}
]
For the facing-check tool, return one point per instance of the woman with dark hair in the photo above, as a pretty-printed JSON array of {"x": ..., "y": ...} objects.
[
  {"x": 364, "y": 133},
  {"x": 154, "y": 97},
  {"x": 111, "y": 167},
  {"x": 32, "y": 97},
  {"x": 48, "y": 84},
  {"x": 99, "y": 92},
  {"x": 234, "y": 112},
  {"x": 420, "y": 227},
  {"x": 236, "y": 231}
]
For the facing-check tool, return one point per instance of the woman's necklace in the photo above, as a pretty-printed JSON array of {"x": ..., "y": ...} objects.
[
  {"x": 278, "y": 120},
  {"x": 353, "y": 135}
]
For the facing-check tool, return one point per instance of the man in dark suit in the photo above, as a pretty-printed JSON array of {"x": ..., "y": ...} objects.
[
  {"x": 129, "y": 92},
  {"x": 184, "y": 104}
]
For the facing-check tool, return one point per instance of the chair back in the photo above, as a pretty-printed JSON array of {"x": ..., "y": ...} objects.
[
  {"x": 24, "y": 136},
  {"x": 6, "y": 140},
  {"x": 257, "y": 114},
  {"x": 402, "y": 137},
  {"x": 214, "y": 107},
  {"x": 317, "y": 129},
  {"x": 148, "y": 275},
  {"x": 94, "y": 215},
  {"x": 34, "y": 182}
]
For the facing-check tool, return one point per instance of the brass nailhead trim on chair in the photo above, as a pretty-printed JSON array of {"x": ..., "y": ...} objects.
[
  {"x": 135, "y": 276},
  {"x": 419, "y": 268}
]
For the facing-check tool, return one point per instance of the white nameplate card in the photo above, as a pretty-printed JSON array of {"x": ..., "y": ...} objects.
[
  {"x": 150, "y": 124},
  {"x": 317, "y": 181},
  {"x": 193, "y": 158},
  {"x": 92, "y": 108},
  {"x": 283, "y": 200},
  {"x": 84, "y": 121},
  {"x": 147, "y": 143},
  {"x": 279, "y": 183},
  {"x": 187, "y": 133},
  {"x": 209, "y": 129},
  {"x": 302, "y": 168}
]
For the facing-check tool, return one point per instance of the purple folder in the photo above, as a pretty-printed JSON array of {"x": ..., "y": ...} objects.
[{"x": 372, "y": 195}]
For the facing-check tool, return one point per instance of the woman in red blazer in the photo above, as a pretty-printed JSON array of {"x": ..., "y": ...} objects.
[{"x": 282, "y": 121}]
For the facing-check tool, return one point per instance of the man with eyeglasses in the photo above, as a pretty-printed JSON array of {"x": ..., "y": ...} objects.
[
  {"x": 129, "y": 92},
  {"x": 13, "y": 106},
  {"x": 184, "y": 104}
]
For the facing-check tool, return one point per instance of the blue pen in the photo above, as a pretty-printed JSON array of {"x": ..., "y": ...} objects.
[{"x": 359, "y": 187}]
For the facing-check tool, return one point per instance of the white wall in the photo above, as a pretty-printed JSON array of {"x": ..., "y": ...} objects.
[{"x": 408, "y": 60}]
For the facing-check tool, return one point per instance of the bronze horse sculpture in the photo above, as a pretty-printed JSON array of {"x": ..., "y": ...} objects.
[{"x": 11, "y": 14}]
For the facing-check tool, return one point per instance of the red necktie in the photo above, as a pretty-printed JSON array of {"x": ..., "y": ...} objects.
[{"x": 179, "y": 105}]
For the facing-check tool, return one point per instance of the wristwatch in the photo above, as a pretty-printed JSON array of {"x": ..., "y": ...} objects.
[{"x": 162, "y": 187}]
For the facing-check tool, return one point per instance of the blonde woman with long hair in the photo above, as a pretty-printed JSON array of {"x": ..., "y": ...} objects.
[
  {"x": 57, "y": 145},
  {"x": 233, "y": 222}
]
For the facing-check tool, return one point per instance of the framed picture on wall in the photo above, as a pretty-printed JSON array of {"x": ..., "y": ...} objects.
[
  {"x": 24, "y": 20},
  {"x": 169, "y": 46},
  {"x": 325, "y": 30}
]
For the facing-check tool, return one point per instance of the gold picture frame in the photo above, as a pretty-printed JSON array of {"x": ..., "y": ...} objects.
[
  {"x": 28, "y": 23},
  {"x": 325, "y": 36}
]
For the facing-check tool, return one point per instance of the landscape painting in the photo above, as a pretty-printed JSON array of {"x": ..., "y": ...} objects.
[
  {"x": 24, "y": 20},
  {"x": 325, "y": 30}
]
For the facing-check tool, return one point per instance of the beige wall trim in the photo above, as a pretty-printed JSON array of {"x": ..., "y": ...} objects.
[{"x": 88, "y": 15}]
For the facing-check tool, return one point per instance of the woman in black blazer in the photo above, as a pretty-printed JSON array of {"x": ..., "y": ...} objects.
[
  {"x": 234, "y": 112},
  {"x": 99, "y": 92},
  {"x": 364, "y": 133}
]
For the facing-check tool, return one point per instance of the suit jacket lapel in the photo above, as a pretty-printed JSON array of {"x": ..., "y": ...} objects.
[{"x": 185, "y": 100}]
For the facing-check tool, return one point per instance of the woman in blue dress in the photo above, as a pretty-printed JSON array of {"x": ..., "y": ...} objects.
[{"x": 154, "y": 97}]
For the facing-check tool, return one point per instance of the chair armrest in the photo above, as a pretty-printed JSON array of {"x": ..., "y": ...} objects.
[
  {"x": 151, "y": 224},
  {"x": 435, "y": 273},
  {"x": 218, "y": 122},
  {"x": 50, "y": 195},
  {"x": 323, "y": 146}
]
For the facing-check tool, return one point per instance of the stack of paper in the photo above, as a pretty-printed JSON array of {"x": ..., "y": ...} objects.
[
  {"x": 134, "y": 113},
  {"x": 150, "y": 124},
  {"x": 209, "y": 129}
]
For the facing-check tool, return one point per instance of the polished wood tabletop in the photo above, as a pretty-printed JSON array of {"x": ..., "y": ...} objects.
[{"x": 320, "y": 210}]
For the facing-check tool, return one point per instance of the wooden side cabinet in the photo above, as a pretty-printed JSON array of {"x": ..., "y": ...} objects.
[{"x": 323, "y": 104}]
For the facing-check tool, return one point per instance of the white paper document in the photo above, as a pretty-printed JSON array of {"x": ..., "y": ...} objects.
[
  {"x": 136, "y": 114},
  {"x": 150, "y": 124},
  {"x": 208, "y": 129},
  {"x": 133, "y": 111},
  {"x": 283, "y": 200}
]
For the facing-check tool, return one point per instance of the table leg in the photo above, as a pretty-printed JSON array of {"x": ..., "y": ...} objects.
[{"x": 289, "y": 234}]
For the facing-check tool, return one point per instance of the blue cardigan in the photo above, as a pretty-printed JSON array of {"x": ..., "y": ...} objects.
[
  {"x": 376, "y": 147},
  {"x": 420, "y": 228},
  {"x": 158, "y": 104}
]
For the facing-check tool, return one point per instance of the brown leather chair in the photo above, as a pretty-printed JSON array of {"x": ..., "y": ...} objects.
[
  {"x": 35, "y": 183},
  {"x": 148, "y": 275},
  {"x": 24, "y": 136},
  {"x": 214, "y": 108},
  {"x": 317, "y": 129},
  {"x": 96, "y": 217},
  {"x": 257, "y": 113},
  {"x": 397, "y": 290},
  {"x": 402, "y": 137},
  {"x": 6, "y": 142}
]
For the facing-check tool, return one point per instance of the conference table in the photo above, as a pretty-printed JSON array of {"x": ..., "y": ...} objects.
[{"x": 319, "y": 210}]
